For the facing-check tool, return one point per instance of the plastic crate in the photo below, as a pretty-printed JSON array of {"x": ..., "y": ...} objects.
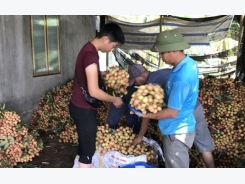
[{"x": 138, "y": 165}]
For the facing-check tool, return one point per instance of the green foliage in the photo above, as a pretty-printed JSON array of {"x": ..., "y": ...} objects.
[
  {"x": 2, "y": 110},
  {"x": 230, "y": 53},
  {"x": 235, "y": 27},
  {"x": 234, "y": 30},
  {"x": 229, "y": 34}
]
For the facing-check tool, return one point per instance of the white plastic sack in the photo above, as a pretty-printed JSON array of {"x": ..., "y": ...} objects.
[
  {"x": 115, "y": 159},
  {"x": 97, "y": 160},
  {"x": 155, "y": 145}
]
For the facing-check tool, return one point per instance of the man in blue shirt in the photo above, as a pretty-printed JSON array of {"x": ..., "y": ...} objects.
[
  {"x": 177, "y": 122},
  {"x": 203, "y": 140}
]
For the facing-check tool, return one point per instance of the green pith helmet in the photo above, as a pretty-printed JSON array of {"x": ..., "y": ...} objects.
[{"x": 170, "y": 40}]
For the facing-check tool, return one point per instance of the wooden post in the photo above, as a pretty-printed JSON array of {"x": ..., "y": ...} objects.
[
  {"x": 241, "y": 31},
  {"x": 161, "y": 22},
  {"x": 107, "y": 60}
]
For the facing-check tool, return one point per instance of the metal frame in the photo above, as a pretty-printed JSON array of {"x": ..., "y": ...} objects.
[
  {"x": 58, "y": 47},
  {"x": 46, "y": 48}
]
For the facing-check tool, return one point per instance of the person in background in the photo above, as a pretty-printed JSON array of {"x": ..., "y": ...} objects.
[
  {"x": 115, "y": 114},
  {"x": 177, "y": 122},
  {"x": 88, "y": 72}
]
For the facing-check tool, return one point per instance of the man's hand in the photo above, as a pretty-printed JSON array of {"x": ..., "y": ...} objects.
[
  {"x": 148, "y": 115},
  {"x": 137, "y": 140},
  {"x": 104, "y": 73},
  {"x": 118, "y": 102}
]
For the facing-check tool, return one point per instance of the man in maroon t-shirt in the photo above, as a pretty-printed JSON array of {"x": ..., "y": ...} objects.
[{"x": 87, "y": 71}]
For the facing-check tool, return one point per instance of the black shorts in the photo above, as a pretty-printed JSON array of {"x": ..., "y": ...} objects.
[{"x": 86, "y": 123}]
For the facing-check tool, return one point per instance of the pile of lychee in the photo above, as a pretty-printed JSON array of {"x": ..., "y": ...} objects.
[
  {"x": 148, "y": 98},
  {"x": 121, "y": 140},
  {"x": 117, "y": 79}
]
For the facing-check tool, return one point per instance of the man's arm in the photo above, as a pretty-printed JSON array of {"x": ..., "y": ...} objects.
[
  {"x": 144, "y": 125},
  {"x": 163, "y": 114},
  {"x": 93, "y": 87}
]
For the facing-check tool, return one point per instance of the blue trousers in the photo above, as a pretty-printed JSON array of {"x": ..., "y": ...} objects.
[{"x": 115, "y": 115}]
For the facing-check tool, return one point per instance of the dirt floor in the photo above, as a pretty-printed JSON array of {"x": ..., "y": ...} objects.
[{"x": 53, "y": 155}]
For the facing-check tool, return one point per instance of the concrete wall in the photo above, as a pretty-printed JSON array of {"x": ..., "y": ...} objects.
[{"x": 19, "y": 90}]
